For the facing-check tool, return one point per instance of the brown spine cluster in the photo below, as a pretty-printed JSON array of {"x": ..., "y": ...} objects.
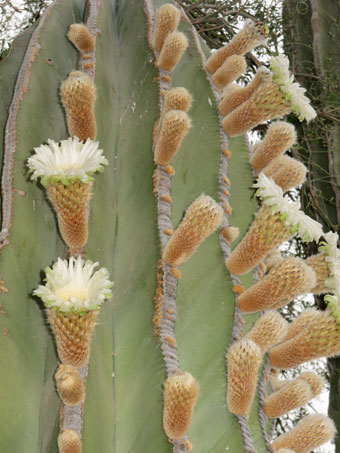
[
  {"x": 73, "y": 335},
  {"x": 69, "y": 384},
  {"x": 291, "y": 396},
  {"x": 69, "y": 442},
  {"x": 289, "y": 279},
  {"x": 231, "y": 70},
  {"x": 268, "y": 330},
  {"x": 201, "y": 219},
  {"x": 320, "y": 266},
  {"x": 286, "y": 172},
  {"x": 279, "y": 138},
  {"x": 180, "y": 394},
  {"x": 81, "y": 37},
  {"x": 177, "y": 98},
  {"x": 252, "y": 35},
  {"x": 173, "y": 48},
  {"x": 71, "y": 203},
  {"x": 320, "y": 337},
  {"x": 174, "y": 127},
  {"x": 265, "y": 233},
  {"x": 311, "y": 432},
  {"x": 78, "y": 96},
  {"x": 266, "y": 103},
  {"x": 166, "y": 21},
  {"x": 234, "y": 95},
  {"x": 243, "y": 361}
]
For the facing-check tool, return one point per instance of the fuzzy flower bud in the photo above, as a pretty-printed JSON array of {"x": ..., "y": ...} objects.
[
  {"x": 166, "y": 21},
  {"x": 268, "y": 330},
  {"x": 70, "y": 386},
  {"x": 230, "y": 70},
  {"x": 177, "y": 98},
  {"x": 291, "y": 396},
  {"x": 173, "y": 48},
  {"x": 286, "y": 172},
  {"x": 69, "y": 442},
  {"x": 180, "y": 394},
  {"x": 81, "y": 37},
  {"x": 201, "y": 219}
]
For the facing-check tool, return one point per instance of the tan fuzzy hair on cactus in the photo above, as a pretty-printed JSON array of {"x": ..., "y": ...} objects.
[
  {"x": 177, "y": 98},
  {"x": 69, "y": 442},
  {"x": 311, "y": 432},
  {"x": 180, "y": 394},
  {"x": 315, "y": 382},
  {"x": 289, "y": 279},
  {"x": 266, "y": 103},
  {"x": 78, "y": 96},
  {"x": 252, "y": 35},
  {"x": 255, "y": 245},
  {"x": 294, "y": 394},
  {"x": 286, "y": 172},
  {"x": 320, "y": 266},
  {"x": 268, "y": 330},
  {"x": 284, "y": 450},
  {"x": 201, "y": 219},
  {"x": 231, "y": 70},
  {"x": 243, "y": 361},
  {"x": 70, "y": 385},
  {"x": 73, "y": 333},
  {"x": 71, "y": 203},
  {"x": 320, "y": 338},
  {"x": 234, "y": 95},
  {"x": 81, "y": 38},
  {"x": 273, "y": 258},
  {"x": 230, "y": 233},
  {"x": 279, "y": 138},
  {"x": 166, "y": 21},
  {"x": 301, "y": 322},
  {"x": 173, "y": 48},
  {"x": 174, "y": 127}
]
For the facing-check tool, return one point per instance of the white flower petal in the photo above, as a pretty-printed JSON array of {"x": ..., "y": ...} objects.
[
  {"x": 73, "y": 286},
  {"x": 294, "y": 93},
  {"x": 271, "y": 195},
  {"x": 68, "y": 160}
]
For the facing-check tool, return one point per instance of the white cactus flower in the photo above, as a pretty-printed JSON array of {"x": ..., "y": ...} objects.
[
  {"x": 330, "y": 248},
  {"x": 71, "y": 286},
  {"x": 272, "y": 196},
  {"x": 66, "y": 161},
  {"x": 293, "y": 91}
]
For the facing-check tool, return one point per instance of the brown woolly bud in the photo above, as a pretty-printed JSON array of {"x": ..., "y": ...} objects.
[
  {"x": 81, "y": 38},
  {"x": 320, "y": 338},
  {"x": 266, "y": 232},
  {"x": 230, "y": 234},
  {"x": 266, "y": 103},
  {"x": 243, "y": 361},
  {"x": 234, "y": 95},
  {"x": 166, "y": 21},
  {"x": 71, "y": 204},
  {"x": 231, "y": 70},
  {"x": 180, "y": 394},
  {"x": 252, "y": 35},
  {"x": 311, "y": 432},
  {"x": 289, "y": 279},
  {"x": 73, "y": 332},
  {"x": 174, "y": 46},
  {"x": 69, "y": 385},
  {"x": 291, "y": 396},
  {"x": 286, "y": 172},
  {"x": 320, "y": 266},
  {"x": 174, "y": 127},
  {"x": 315, "y": 382},
  {"x": 78, "y": 95},
  {"x": 69, "y": 442},
  {"x": 188, "y": 444},
  {"x": 201, "y": 219},
  {"x": 268, "y": 330},
  {"x": 301, "y": 322},
  {"x": 176, "y": 273},
  {"x": 177, "y": 99},
  {"x": 168, "y": 232},
  {"x": 238, "y": 289},
  {"x": 277, "y": 384},
  {"x": 273, "y": 258},
  {"x": 280, "y": 136}
]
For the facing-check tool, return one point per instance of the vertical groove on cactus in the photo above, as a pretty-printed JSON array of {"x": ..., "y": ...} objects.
[{"x": 21, "y": 87}]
